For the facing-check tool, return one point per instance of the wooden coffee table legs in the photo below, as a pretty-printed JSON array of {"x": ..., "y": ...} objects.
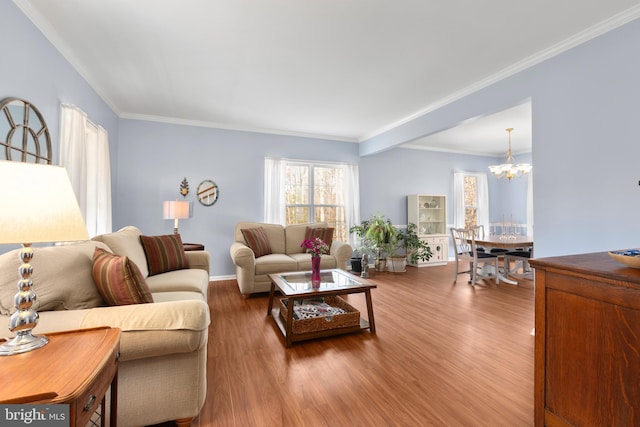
[{"x": 372, "y": 322}]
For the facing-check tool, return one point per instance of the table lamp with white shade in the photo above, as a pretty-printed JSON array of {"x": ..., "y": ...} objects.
[
  {"x": 38, "y": 206},
  {"x": 176, "y": 210}
]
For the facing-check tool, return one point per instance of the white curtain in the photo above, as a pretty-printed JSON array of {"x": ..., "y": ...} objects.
[
  {"x": 84, "y": 152},
  {"x": 274, "y": 191},
  {"x": 482, "y": 208},
  {"x": 458, "y": 199},
  {"x": 352, "y": 198},
  {"x": 482, "y": 213},
  {"x": 530, "y": 205}
]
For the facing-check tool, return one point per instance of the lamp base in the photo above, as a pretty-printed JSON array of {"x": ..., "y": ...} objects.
[{"x": 22, "y": 343}]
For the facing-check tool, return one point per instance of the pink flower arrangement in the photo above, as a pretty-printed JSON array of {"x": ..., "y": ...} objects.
[{"x": 315, "y": 246}]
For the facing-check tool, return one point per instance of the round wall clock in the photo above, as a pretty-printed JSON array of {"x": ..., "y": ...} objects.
[{"x": 207, "y": 192}]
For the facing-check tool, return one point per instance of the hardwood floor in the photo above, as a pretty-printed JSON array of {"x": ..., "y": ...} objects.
[{"x": 444, "y": 355}]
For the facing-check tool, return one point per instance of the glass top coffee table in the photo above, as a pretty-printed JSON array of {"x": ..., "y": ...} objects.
[{"x": 297, "y": 286}]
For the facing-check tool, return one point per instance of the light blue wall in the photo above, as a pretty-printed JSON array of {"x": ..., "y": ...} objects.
[
  {"x": 32, "y": 69},
  {"x": 155, "y": 157},
  {"x": 585, "y": 147},
  {"x": 584, "y": 109},
  {"x": 387, "y": 178}
]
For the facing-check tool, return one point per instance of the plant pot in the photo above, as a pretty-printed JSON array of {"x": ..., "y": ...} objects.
[
  {"x": 356, "y": 265},
  {"x": 397, "y": 264},
  {"x": 380, "y": 264}
]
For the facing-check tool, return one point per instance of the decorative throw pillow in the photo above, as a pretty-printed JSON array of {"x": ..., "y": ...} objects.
[
  {"x": 164, "y": 253},
  {"x": 257, "y": 240},
  {"x": 118, "y": 279},
  {"x": 324, "y": 233}
]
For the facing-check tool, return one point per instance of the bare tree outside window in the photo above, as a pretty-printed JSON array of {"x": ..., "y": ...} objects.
[
  {"x": 315, "y": 193},
  {"x": 470, "y": 201}
]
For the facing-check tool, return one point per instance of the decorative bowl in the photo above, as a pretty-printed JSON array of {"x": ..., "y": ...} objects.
[{"x": 629, "y": 257}]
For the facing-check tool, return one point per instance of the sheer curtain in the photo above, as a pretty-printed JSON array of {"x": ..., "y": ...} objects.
[
  {"x": 84, "y": 152},
  {"x": 352, "y": 198},
  {"x": 482, "y": 208},
  {"x": 274, "y": 191},
  {"x": 458, "y": 199},
  {"x": 530, "y": 205}
]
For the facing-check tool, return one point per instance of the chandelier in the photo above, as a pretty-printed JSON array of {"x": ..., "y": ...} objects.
[{"x": 508, "y": 169}]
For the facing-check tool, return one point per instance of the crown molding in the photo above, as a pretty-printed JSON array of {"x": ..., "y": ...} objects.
[
  {"x": 592, "y": 32},
  {"x": 224, "y": 126}
]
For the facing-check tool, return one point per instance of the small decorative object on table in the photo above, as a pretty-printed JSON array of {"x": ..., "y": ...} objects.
[
  {"x": 316, "y": 247},
  {"x": 629, "y": 257},
  {"x": 365, "y": 267}
]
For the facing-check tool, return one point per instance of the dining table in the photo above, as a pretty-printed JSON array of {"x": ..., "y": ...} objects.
[{"x": 509, "y": 242}]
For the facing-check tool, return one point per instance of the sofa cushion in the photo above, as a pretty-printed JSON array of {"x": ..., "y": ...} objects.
[
  {"x": 275, "y": 263},
  {"x": 164, "y": 253},
  {"x": 126, "y": 241},
  {"x": 119, "y": 280},
  {"x": 274, "y": 232},
  {"x": 61, "y": 277},
  {"x": 323, "y": 233},
  {"x": 191, "y": 279},
  {"x": 257, "y": 240},
  {"x": 303, "y": 262},
  {"x": 295, "y": 235}
]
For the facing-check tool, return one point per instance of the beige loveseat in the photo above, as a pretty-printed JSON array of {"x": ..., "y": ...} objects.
[
  {"x": 162, "y": 372},
  {"x": 287, "y": 255}
]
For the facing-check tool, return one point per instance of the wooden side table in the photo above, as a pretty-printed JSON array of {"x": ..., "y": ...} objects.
[
  {"x": 193, "y": 246},
  {"x": 75, "y": 368}
]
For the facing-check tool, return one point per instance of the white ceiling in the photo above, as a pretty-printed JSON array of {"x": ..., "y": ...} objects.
[{"x": 336, "y": 69}]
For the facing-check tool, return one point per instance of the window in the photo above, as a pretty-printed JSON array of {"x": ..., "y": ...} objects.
[
  {"x": 315, "y": 193},
  {"x": 470, "y": 201}
]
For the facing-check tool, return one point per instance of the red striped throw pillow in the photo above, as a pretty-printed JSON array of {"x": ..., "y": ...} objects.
[
  {"x": 118, "y": 279},
  {"x": 323, "y": 233},
  {"x": 257, "y": 240},
  {"x": 164, "y": 253}
]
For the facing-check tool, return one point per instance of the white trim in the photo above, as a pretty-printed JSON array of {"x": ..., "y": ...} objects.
[
  {"x": 239, "y": 128},
  {"x": 577, "y": 39},
  {"x": 590, "y": 33}
]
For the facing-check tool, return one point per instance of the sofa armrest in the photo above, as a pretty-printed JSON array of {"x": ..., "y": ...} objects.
[
  {"x": 155, "y": 329},
  {"x": 242, "y": 255},
  {"x": 198, "y": 259},
  {"x": 342, "y": 251}
]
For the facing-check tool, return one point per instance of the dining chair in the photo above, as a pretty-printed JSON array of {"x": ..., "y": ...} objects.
[
  {"x": 518, "y": 257},
  {"x": 465, "y": 249}
]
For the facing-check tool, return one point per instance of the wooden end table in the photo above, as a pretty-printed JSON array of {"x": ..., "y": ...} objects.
[{"x": 75, "y": 368}]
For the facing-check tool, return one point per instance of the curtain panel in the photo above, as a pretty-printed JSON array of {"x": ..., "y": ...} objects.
[{"x": 84, "y": 152}]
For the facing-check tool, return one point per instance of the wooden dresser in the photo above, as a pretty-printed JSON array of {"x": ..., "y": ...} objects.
[{"x": 587, "y": 344}]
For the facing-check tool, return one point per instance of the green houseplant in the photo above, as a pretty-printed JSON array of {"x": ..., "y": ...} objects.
[
  {"x": 381, "y": 233},
  {"x": 376, "y": 235},
  {"x": 407, "y": 246}
]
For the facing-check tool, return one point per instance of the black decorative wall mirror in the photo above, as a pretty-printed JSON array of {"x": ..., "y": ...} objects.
[
  {"x": 24, "y": 135},
  {"x": 207, "y": 192}
]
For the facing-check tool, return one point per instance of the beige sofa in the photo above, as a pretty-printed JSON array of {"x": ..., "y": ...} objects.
[
  {"x": 287, "y": 255},
  {"x": 162, "y": 372}
]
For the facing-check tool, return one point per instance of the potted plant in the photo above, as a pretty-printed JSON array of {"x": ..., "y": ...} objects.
[
  {"x": 375, "y": 235},
  {"x": 381, "y": 234},
  {"x": 408, "y": 247},
  {"x": 363, "y": 245}
]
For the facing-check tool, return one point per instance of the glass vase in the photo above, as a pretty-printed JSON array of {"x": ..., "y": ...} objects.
[{"x": 315, "y": 272}]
